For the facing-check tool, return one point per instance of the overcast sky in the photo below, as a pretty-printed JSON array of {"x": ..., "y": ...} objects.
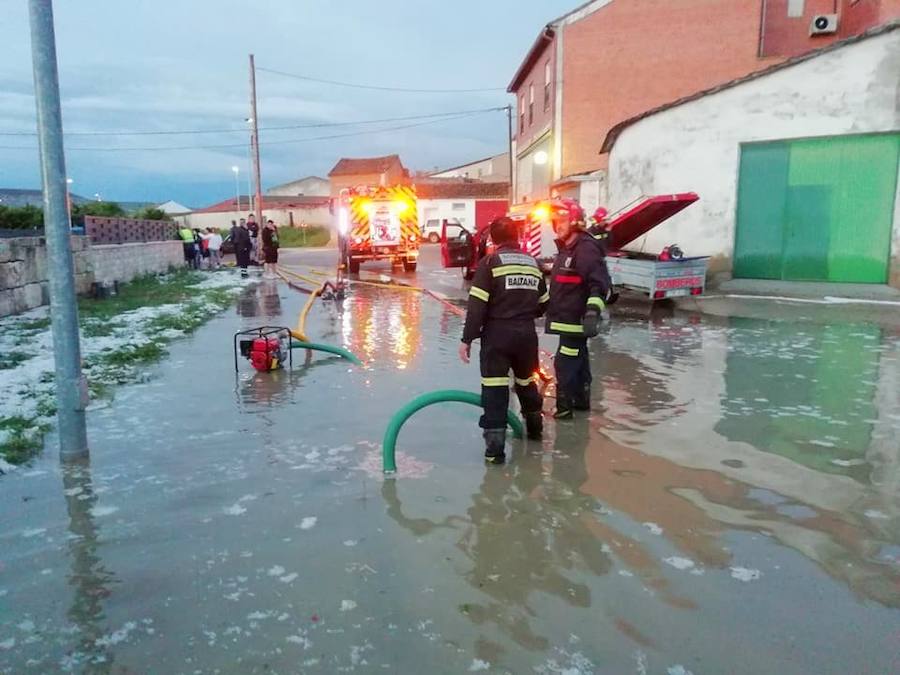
[{"x": 140, "y": 65}]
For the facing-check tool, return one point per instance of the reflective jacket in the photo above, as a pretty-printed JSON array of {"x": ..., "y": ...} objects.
[
  {"x": 600, "y": 235},
  {"x": 579, "y": 280},
  {"x": 508, "y": 285}
]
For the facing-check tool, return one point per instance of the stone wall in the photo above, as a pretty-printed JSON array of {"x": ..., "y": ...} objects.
[
  {"x": 124, "y": 262},
  {"x": 23, "y": 272},
  {"x": 23, "y": 267}
]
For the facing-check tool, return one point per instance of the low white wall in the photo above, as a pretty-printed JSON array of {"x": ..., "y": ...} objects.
[
  {"x": 124, "y": 262},
  {"x": 695, "y": 147}
]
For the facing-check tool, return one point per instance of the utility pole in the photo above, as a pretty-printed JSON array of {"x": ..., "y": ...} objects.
[
  {"x": 254, "y": 140},
  {"x": 509, "y": 138},
  {"x": 71, "y": 389}
]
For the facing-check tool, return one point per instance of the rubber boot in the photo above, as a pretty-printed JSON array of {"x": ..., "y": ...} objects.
[
  {"x": 563, "y": 408},
  {"x": 583, "y": 401},
  {"x": 534, "y": 425},
  {"x": 495, "y": 442}
]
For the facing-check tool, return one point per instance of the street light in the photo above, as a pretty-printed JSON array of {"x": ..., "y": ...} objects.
[
  {"x": 69, "y": 182},
  {"x": 237, "y": 187}
]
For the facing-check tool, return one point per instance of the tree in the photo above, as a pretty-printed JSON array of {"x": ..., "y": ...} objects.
[
  {"x": 103, "y": 209},
  {"x": 21, "y": 217},
  {"x": 151, "y": 213}
]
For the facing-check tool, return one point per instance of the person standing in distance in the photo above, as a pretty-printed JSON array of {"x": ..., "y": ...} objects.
[
  {"x": 508, "y": 293},
  {"x": 579, "y": 287}
]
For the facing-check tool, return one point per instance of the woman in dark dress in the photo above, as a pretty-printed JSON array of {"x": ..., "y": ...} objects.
[{"x": 270, "y": 248}]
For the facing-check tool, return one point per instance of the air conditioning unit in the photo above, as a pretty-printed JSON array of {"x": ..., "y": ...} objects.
[{"x": 824, "y": 24}]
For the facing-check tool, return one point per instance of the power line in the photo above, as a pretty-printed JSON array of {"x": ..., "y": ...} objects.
[
  {"x": 373, "y": 87},
  {"x": 457, "y": 116},
  {"x": 316, "y": 125}
]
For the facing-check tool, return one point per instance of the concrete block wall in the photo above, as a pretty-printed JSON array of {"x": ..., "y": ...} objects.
[
  {"x": 124, "y": 262},
  {"x": 23, "y": 267},
  {"x": 23, "y": 272}
]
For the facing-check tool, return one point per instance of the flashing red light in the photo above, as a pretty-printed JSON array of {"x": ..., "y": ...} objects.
[
  {"x": 696, "y": 291},
  {"x": 659, "y": 295}
]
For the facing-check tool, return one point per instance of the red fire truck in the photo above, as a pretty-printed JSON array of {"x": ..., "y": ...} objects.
[{"x": 378, "y": 223}]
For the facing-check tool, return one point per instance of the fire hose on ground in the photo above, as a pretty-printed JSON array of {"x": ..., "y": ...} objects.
[
  {"x": 389, "y": 443},
  {"x": 300, "y": 339}
]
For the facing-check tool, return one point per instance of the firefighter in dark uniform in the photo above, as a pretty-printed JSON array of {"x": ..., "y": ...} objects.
[
  {"x": 508, "y": 293},
  {"x": 579, "y": 287}
]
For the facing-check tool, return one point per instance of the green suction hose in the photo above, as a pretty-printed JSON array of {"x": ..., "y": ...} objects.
[
  {"x": 389, "y": 464},
  {"x": 331, "y": 349}
]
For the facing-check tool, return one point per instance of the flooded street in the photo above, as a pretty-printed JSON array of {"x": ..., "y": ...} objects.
[{"x": 731, "y": 505}]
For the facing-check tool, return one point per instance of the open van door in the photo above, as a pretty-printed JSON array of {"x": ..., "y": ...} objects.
[{"x": 457, "y": 246}]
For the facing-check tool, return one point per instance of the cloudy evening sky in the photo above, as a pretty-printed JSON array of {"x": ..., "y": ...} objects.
[{"x": 163, "y": 65}]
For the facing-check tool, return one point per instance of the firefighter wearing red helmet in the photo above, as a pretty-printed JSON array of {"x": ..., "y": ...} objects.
[
  {"x": 579, "y": 285},
  {"x": 598, "y": 227}
]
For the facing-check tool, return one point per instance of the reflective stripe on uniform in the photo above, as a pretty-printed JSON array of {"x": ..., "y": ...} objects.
[
  {"x": 567, "y": 327},
  {"x": 503, "y": 270},
  {"x": 544, "y": 298},
  {"x": 596, "y": 302},
  {"x": 495, "y": 381},
  {"x": 525, "y": 382},
  {"x": 567, "y": 278},
  {"x": 568, "y": 351},
  {"x": 479, "y": 293}
]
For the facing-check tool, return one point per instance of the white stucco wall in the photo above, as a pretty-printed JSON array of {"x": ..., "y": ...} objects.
[
  {"x": 696, "y": 146},
  {"x": 430, "y": 209}
]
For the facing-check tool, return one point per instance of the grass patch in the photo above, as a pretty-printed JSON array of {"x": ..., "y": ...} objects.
[
  {"x": 131, "y": 354},
  {"x": 148, "y": 291},
  {"x": 292, "y": 237},
  {"x": 92, "y": 328},
  {"x": 12, "y": 359},
  {"x": 22, "y": 438},
  {"x": 35, "y": 324}
]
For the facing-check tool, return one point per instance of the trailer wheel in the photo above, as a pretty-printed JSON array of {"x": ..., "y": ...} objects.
[
  {"x": 434, "y": 238},
  {"x": 409, "y": 266},
  {"x": 354, "y": 266}
]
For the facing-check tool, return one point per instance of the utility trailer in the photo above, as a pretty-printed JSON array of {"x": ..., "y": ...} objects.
[{"x": 665, "y": 275}]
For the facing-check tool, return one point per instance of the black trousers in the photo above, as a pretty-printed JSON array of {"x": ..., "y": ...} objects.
[
  {"x": 505, "y": 346},
  {"x": 573, "y": 371}
]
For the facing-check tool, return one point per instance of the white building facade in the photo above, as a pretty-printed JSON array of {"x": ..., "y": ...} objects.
[{"x": 845, "y": 96}]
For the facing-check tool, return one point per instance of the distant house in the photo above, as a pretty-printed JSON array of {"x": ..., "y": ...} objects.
[
  {"x": 472, "y": 204},
  {"x": 18, "y": 197},
  {"x": 285, "y": 211},
  {"x": 493, "y": 169},
  {"x": 173, "y": 208},
  {"x": 352, "y": 172},
  {"x": 311, "y": 186}
]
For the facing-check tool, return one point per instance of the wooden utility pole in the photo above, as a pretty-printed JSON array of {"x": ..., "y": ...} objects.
[{"x": 254, "y": 142}]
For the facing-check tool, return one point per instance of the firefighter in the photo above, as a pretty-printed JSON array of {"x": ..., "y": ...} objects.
[
  {"x": 579, "y": 285},
  {"x": 599, "y": 228},
  {"x": 508, "y": 293}
]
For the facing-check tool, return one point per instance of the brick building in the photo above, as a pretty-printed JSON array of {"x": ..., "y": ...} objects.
[
  {"x": 609, "y": 60},
  {"x": 352, "y": 172}
]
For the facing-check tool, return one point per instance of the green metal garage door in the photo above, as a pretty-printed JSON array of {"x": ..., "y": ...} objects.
[{"x": 817, "y": 209}]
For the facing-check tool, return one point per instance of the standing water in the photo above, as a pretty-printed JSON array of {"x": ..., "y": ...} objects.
[{"x": 730, "y": 505}]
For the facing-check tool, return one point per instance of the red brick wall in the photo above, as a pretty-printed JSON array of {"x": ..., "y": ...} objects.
[
  {"x": 788, "y": 36},
  {"x": 394, "y": 177},
  {"x": 633, "y": 55},
  {"x": 542, "y": 118}
]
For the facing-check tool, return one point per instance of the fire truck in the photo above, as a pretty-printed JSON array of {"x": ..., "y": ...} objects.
[
  {"x": 378, "y": 223},
  {"x": 664, "y": 275}
]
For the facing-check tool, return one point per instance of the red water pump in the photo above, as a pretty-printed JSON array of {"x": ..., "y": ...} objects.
[
  {"x": 265, "y": 354},
  {"x": 266, "y": 347}
]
